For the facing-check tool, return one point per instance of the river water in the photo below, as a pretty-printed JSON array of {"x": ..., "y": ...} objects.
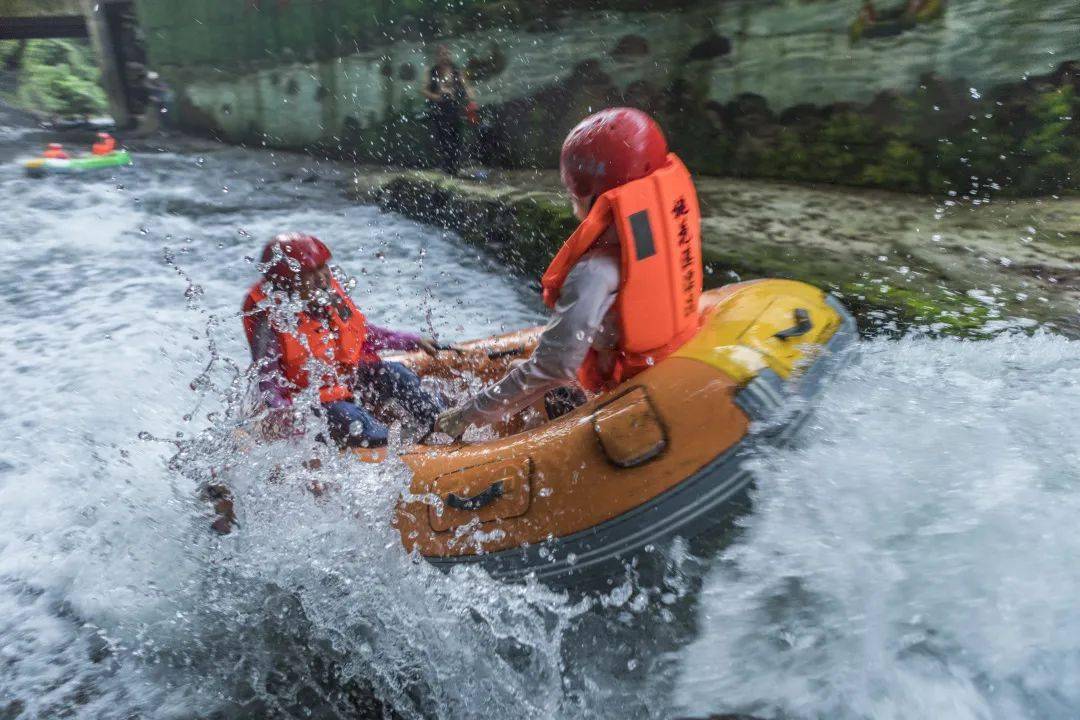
[{"x": 913, "y": 557}]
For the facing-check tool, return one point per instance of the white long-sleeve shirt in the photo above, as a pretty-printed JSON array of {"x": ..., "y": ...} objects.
[{"x": 582, "y": 320}]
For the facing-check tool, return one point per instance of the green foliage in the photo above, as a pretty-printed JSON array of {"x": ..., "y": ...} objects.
[
  {"x": 59, "y": 77},
  {"x": 841, "y": 146},
  {"x": 9, "y": 49},
  {"x": 898, "y": 167},
  {"x": 784, "y": 157},
  {"x": 1026, "y": 144},
  {"x": 1053, "y": 151}
]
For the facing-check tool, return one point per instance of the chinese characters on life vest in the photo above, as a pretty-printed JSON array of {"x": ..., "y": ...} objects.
[{"x": 687, "y": 260}]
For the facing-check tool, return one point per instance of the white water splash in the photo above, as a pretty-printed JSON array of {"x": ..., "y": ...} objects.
[{"x": 916, "y": 558}]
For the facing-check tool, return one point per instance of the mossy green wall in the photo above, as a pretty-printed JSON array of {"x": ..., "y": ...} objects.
[{"x": 800, "y": 89}]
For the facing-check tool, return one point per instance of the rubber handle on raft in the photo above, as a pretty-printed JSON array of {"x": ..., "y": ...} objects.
[
  {"x": 476, "y": 502},
  {"x": 491, "y": 355},
  {"x": 801, "y": 327}
]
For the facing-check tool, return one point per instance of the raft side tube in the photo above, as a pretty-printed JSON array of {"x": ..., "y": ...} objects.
[
  {"x": 662, "y": 455},
  {"x": 705, "y": 502},
  {"x": 37, "y": 167}
]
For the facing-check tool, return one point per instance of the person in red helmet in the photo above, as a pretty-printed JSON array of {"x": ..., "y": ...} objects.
[
  {"x": 303, "y": 327},
  {"x": 105, "y": 144},
  {"x": 55, "y": 151},
  {"x": 625, "y": 285}
]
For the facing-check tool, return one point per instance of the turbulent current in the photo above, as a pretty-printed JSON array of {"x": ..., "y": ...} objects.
[{"x": 913, "y": 556}]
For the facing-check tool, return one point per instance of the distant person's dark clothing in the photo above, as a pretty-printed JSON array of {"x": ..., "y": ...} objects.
[{"x": 446, "y": 114}]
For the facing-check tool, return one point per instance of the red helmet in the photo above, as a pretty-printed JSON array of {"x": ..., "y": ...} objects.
[
  {"x": 611, "y": 148},
  {"x": 287, "y": 254}
]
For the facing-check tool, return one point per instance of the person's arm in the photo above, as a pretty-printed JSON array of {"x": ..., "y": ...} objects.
[
  {"x": 380, "y": 338},
  {"x": 427, "y": 91},
  {"x": 585, "y": 298},
  {"x": 470, "y": 91},
  {"x": 266, "y": 354}
]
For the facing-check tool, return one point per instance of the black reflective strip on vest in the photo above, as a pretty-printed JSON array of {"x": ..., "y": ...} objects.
[{"x": 643, "y": 238}]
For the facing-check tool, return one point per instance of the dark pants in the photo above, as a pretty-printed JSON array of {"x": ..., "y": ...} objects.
[
  {"x": 446, "y": 129},
  {"x": 354, "y": 426}
]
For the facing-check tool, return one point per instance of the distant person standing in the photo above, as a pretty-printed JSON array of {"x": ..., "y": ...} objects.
[
  {"x": 150, "y": 100},
  {"x": 449, "y": 98}
]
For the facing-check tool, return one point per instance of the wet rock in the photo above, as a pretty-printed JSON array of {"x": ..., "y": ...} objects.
[
  {"x": 12, "y": 710},
  {"x": 488, "y": 66},
  {"x": 713, "y": 46},
  {"x": 870, "y": 248},
  {"x": 589, "y": 71},
  {"x": 885, "y": 107},
  {"x": 644, "y": 95},
  {"x": 630, "y": 46},
  {"x": 407, "y": 72},
  {"x": 803, "y": 115},
  {"x": 545, "y": 23},
  {"x": 749, "y": 113}
]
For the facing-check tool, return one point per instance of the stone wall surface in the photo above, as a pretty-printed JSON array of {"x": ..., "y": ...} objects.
[
  {"x": 933, "y": 95},
  {"x": 39, "y": 8},
  {"x": 900, "y": 262}
]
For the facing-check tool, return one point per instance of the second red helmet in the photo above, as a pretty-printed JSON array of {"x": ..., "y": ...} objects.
[
  {"x": 287, "y": 254},
  {"x": 611, "y": 148}
]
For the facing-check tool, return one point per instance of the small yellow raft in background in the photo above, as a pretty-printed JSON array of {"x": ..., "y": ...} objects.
[{"x": 575, "y": 498}]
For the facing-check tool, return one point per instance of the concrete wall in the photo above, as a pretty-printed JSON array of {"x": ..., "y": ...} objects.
[
  {"x": 39, "y": 8},
  {"x": 741, "y": 84}
]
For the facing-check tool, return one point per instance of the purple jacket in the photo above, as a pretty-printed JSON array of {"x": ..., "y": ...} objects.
[{"x": 266, "y": 354}]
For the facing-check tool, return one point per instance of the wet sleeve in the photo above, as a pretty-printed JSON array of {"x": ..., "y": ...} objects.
[
  {"x": 586, "y": 297},
  {"x": 266, "y": 354},
  {"x": 380, "y": 338}
]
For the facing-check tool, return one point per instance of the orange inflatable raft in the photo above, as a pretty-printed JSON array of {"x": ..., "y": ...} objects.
[{"x": 577, "y": 497}]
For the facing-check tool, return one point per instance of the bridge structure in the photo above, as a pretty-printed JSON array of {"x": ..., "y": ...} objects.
[{"x": 108, "y": 24}]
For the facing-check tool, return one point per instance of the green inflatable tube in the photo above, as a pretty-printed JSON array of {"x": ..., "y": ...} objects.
[{"x": 38, "y": 167}]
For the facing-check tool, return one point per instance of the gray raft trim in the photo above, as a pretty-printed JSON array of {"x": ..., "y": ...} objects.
[{"x": 763, "y": 399}]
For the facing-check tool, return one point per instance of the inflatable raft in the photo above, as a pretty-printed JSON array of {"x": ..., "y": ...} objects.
[
  {"x": 37, "y": 167},
  {"x": 573, "y": 499}
]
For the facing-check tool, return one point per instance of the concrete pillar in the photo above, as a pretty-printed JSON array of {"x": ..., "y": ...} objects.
[{"x": 112, "y": 75}]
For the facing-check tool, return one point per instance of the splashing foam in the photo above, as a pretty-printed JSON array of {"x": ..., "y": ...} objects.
[{"x": 916, "y": 557}]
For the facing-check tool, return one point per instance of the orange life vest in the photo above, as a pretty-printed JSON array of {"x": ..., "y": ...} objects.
[
  {"x": 339, "y": 347},
  {"x": 104, "y": 146},
  {"x": 55, "y": 152},
  {"x": 658, "y": 223}
]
